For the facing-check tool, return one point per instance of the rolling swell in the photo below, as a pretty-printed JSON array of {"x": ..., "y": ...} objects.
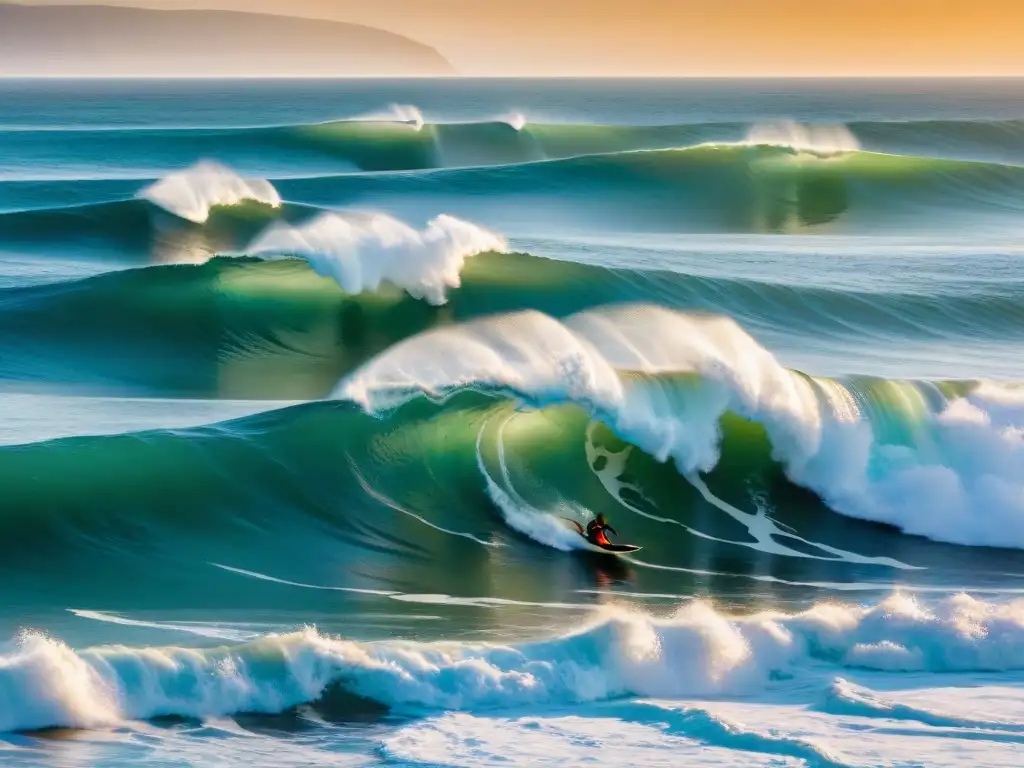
[
  {"x": 713, "y": 188},
  {"x": 915, "y": 455},
  {"x": 136, "y": 230},
  {"x": 329, "y": 484},
  {"x": 356, "y": 145},
  {"x": 708, "y": 188},
  {"x": 396, "y": 144},
  {"x": 401, "y": 146},
  {"x": 248, "y": 328}
]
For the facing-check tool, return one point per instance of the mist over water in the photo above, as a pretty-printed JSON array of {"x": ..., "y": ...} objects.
[{"x": 306, "y": 389}]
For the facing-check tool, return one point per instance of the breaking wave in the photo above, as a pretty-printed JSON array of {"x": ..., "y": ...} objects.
[
  {"x": 362, "y": 251},
  {"x": 192, "y": 193},
  {"x": 697, "y": 651},
  {"x": 664, "y": 381}
]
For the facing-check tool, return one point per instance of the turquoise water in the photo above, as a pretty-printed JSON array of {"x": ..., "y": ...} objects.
[{"x": 299, "y": 380}]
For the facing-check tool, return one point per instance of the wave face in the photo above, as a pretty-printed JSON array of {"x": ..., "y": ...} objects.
[
  {"x": 307, "y": 389},
  {"x": 665, "y": 381}
]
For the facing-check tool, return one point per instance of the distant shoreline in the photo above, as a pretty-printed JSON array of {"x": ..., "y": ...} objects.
[{"x": 95, "y": 41}]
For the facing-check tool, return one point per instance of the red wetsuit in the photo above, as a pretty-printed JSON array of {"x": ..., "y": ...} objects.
[{"x": 595, "y": 533}]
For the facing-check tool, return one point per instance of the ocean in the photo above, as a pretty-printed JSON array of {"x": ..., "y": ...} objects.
[{"x": 301, "y": 381}]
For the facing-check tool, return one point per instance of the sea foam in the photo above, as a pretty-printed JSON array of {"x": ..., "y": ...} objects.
[
  {"x": 817, "y": 139},
  {"x": 695, "y": 652},
  {"x": 943, "y": 466}
]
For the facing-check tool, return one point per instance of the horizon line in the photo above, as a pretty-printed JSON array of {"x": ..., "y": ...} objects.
[{"x": 888, "y": 76}]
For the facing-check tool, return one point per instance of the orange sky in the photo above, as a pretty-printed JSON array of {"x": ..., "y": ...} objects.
[{"x": 677, "y": 37}]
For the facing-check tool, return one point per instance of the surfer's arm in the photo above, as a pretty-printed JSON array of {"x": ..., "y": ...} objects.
[{"x": 609, "y": 528}]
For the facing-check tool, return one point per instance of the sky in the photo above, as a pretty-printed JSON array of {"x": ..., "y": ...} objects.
[{"x": 684, "y": 38}]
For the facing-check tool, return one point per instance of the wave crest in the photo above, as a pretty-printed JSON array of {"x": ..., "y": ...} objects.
[
  {"x": 818, "y": 139},
  {"x": 192, "y": 193},
  {"x": 360, "y": 251}
]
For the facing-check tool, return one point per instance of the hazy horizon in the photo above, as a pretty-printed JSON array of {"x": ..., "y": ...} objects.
[
  {"x": 110, "y": 41},
  {"x": 647, "y": 38}
]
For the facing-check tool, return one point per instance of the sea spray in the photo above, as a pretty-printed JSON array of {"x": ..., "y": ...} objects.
[
  {"x": 192, "y": 193},
  {"x": 360, "y": 251},
  {"x": 816, "y": 139},
  {"x": 663, "y": 380},
  {"x": 697, "y": 651}
]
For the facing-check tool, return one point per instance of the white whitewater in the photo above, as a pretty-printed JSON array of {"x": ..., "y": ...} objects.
[
  {"x": 191, "y": 194},
  {"x": 362, "y": 250}
]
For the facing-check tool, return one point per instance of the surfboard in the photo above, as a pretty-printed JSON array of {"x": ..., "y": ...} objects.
[
  {"x": 616, "y": 549},
  {"x": 612, "y": 549}
]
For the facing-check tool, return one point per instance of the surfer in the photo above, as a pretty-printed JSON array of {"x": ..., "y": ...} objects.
[{"x": 596, "y": 529}]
